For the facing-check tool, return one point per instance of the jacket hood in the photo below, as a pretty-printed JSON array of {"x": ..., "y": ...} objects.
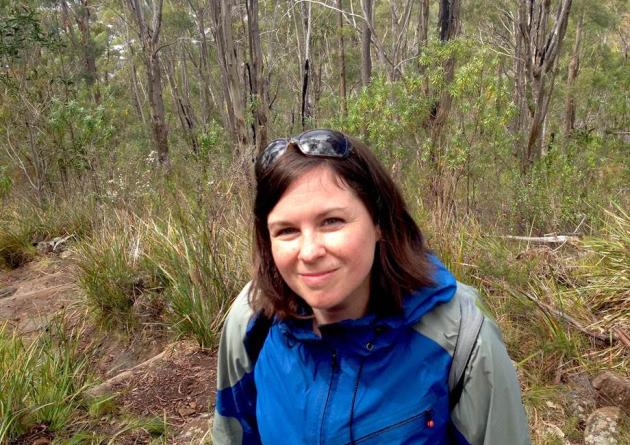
[{"x": 370, "y": 333}]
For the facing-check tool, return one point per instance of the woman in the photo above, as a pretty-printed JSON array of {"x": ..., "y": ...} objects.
[{"x": 347, "y": 333}]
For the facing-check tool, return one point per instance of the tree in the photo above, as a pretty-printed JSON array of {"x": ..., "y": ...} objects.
[
  {"x": 257, "y": 80},
  {"x": 366, "y": 41},
  {"x": 342, "y": 60},
  {"x": 574, "y": 68},
  {"x": 82, "y": 14},
  {"x": 228, "y": 60},
  {"x": 539, "y": 35},
  {"x": 149, "y": 34}
]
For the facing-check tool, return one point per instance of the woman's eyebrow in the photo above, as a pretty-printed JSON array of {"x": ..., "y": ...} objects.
[{"x": 282, "y": 222}]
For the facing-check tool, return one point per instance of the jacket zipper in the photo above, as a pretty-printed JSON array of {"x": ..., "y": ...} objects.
[
  {"x": 427, "y": 414},
  {"x": 333, "y": 375}
]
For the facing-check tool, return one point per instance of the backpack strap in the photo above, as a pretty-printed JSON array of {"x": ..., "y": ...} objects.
[{"x": 469, "y": 328}]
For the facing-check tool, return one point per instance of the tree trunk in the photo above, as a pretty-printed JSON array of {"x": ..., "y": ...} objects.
[
  {"x": 230, "y": 78},
  {"x": 443, "y": 183},
  {"x": 342, "y": 61},
  {"x": 366, "y": 39},
  {"x": 422, "y": 32},
  {"x": 306, "y": 72},
  {"x": 203, "y": 67},
  {"x": 539, "y": 48},
  {"x": 85, "y": 44},
  {"x": 182, "y": 100},
  {"x": 574, "y": 68},
  {"x": 150, "y": 38},
  {"x": 258, "y": 87}
]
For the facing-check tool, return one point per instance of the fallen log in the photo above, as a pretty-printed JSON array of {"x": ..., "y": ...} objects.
[{"x": 555, "y": 239}]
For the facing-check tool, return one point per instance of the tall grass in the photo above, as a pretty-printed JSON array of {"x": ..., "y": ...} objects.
[
  {"x": 202, "y": 263},
  {"x": 42, "y": 381},
  {"x": 111, "y": 267},
  {"x": 187, "y": 258}
]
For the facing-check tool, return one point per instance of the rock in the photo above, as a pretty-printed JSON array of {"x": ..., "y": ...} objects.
[
  {"x": 185, "y": 412},
  {"x": 552, "y": 431},
  {"x": 44, "y": 247},
  {"x": 582, "y": 396},
  {"x": 42, "y": 441},
  {"x": 7, "y": 291},
  {"x": 614, "y": 389},
  {"x": 602, "y": 426}
]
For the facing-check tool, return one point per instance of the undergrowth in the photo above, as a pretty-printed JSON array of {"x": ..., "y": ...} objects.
[
  {"x": 180, "y": 267},
  {"x": 42, "y": 381}
]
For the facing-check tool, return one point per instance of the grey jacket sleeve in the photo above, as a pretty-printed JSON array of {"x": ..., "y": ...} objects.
[
  {"x": 234, "y": 416},
  {"x": 490, "y": 410}
]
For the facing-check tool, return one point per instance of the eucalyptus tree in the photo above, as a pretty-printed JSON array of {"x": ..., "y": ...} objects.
[{"x": 148, "y": 19}]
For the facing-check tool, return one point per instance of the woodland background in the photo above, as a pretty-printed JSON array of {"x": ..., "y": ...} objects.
[{"x": 128, "y": 131}]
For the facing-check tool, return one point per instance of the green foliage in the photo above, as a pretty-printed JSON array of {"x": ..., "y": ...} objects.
[
  {"x": 564, "y": 188},
  {"x": 5, "y": 182},
  {"x": 80, "y": 132},
  {"x": 42, "y": 382},
  {"x": 18, "y": 29}
]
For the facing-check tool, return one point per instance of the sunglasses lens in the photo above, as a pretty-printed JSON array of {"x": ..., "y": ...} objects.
[
  {"x": 324, "y": 143},
  {"x": 271, "y": 153}
]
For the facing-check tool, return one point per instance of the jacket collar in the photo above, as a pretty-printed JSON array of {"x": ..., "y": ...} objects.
[{"x": 371, "y": 333}]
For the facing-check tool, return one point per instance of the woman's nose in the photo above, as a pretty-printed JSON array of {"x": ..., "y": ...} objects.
[{"x": 311, "y": 248}]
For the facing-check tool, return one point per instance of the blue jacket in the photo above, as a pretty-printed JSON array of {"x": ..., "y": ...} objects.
[{"x": 367, "y": 381}]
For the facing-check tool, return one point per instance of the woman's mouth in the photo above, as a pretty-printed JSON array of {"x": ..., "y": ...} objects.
[{"x": 316, "y": 278}]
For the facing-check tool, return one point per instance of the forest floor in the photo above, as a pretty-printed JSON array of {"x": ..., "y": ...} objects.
[{"x": 153, "y": 379}]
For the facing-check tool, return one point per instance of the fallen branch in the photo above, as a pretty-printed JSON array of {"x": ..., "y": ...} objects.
[
  {"x": 556, "y": 239},
  {"x": 608, "y": 339}
]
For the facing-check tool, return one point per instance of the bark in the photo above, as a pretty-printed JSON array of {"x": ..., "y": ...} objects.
[
  {"x": 221, "y": 12},
  {"x": 366, "y": 39},
  {"x": 538, "y": 44},
  {"x": 422, "y": 32},
  {"x": 184, "y": 108},
  {"x": 306, "y": 111},
  {"x": 150, "y": 37},
  {"x": 342, "y": 61},
  {"x": 574, "y": 68},
  {"x": 258, "y": 84}
]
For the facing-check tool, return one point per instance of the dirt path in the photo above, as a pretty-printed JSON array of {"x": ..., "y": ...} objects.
[{"x": 34, "y": 293}]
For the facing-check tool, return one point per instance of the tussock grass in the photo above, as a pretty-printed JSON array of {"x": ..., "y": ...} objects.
[
  {"x": 180, "y": 266},
  {"x": 111, "y": 267},
  {"x": 201, "y": 261},
  {"x": 42, "y": 381}
]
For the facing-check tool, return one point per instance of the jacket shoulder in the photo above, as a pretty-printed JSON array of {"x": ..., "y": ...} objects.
[
  {"x": 234, "y": 361},
  {"x": 442, "y": 323}
]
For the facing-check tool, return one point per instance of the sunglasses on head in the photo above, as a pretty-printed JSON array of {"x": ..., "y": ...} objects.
[{"x": 320, "y": 143}]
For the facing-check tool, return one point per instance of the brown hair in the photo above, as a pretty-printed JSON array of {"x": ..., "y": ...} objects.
[{"x": 400, "y": 262}]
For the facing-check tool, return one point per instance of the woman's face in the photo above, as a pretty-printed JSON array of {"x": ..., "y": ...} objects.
[{"x": 323, "y": 241}]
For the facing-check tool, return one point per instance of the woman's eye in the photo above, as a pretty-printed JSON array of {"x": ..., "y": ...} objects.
[
  {"x": 333, "y": 221},
  {"x": 285, "y": 231}
]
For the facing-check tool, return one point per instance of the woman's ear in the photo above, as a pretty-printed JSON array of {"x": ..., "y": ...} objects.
[{"x": 378, "y": 232}]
